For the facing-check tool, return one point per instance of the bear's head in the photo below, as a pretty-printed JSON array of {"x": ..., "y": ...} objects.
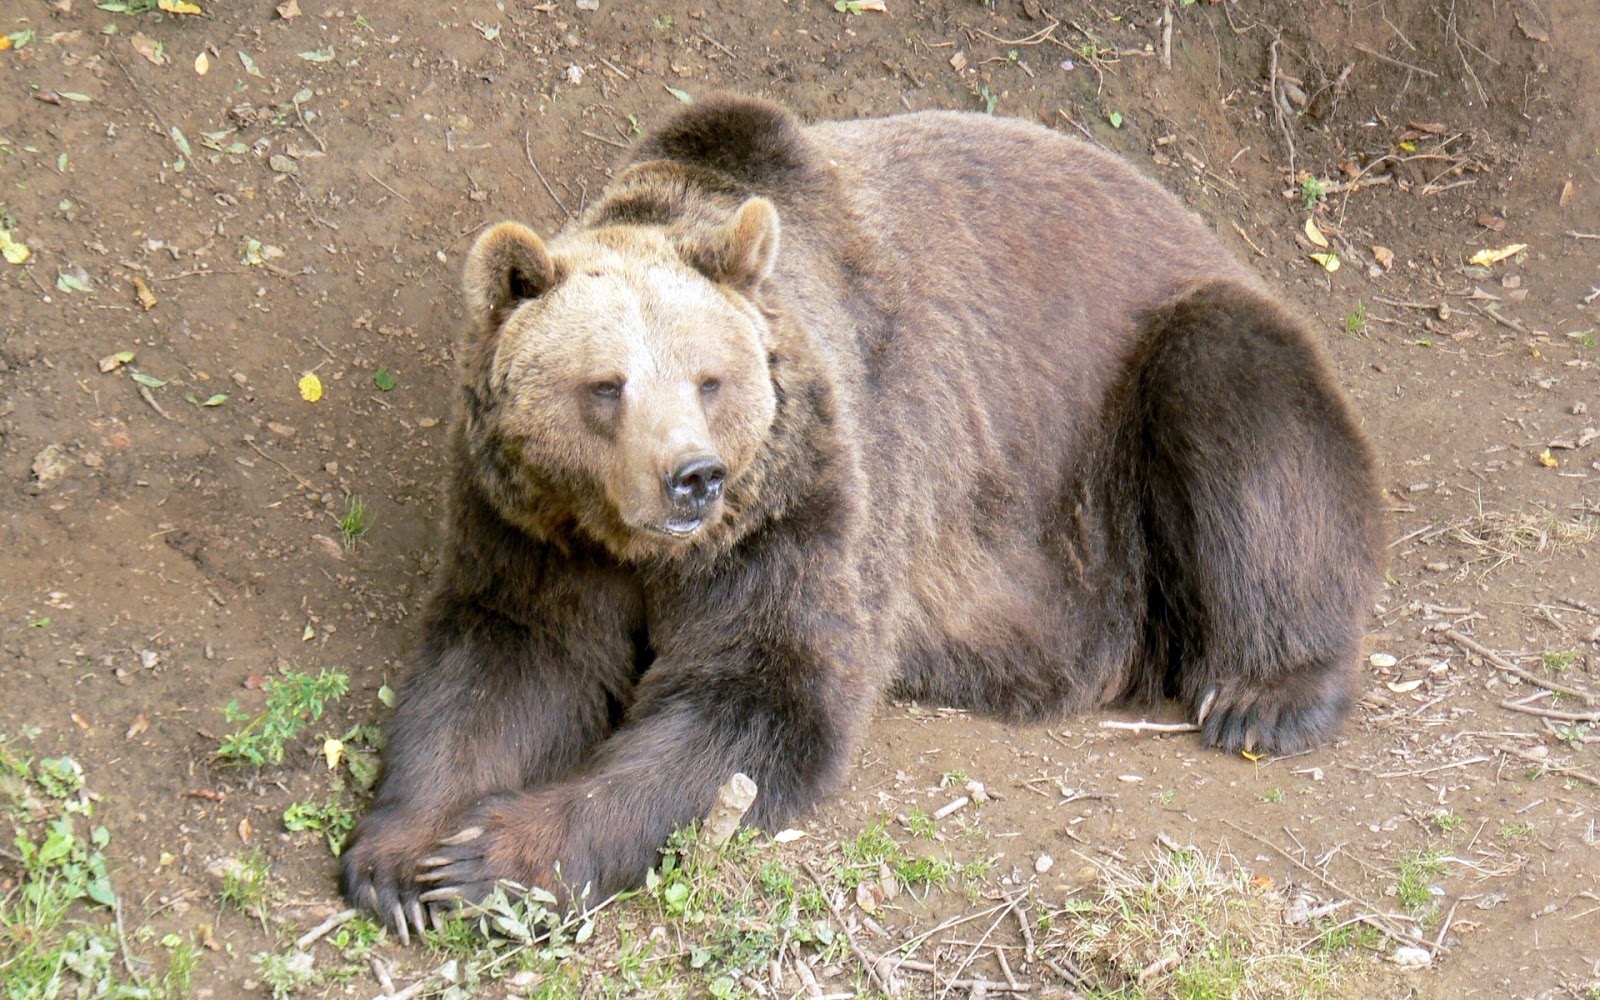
[{"x": 617, "y": 379}]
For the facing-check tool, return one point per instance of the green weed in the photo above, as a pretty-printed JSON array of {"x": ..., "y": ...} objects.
[
  {"x": 355, "y": 522},
  {"x": 333, "y": 819},
  {"x": 1356, "y": 323},
  {"x": 1414, "y": 872},
  {"x": 294, "y": 701},
  {"x": 1559, "y": 661},
  {"x": 1312, "y": 191}
]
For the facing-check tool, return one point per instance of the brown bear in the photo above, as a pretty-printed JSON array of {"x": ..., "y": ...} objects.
[{"x": 938, "y": 406}]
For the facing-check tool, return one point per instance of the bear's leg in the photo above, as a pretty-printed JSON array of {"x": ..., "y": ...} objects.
[
  {"x": 493, "y": 705},
  {"x": 762, "y": 676},
  {"x": 1261, "y": 519}
]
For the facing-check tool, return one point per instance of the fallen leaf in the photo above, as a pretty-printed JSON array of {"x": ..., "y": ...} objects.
[
  {"x": 80, "y": 98},
  {"x": 1247, "y": 755},
  {"x": 141, "y": 722},
  {"x": 1329, "y": 261},
  {"x": 1548, "y": 460},
  {"x": 5, "y": 42},
  {"x": 1488, "y": 258},
  {"x": 788, "y": 836},
  {"x": 142, "y": 291},
  {"x": 149, "y": 381},
  {"x": 179, "y": 7},
  {"x": 111, "y": 362},
  {"x": 1404, "y": 687},
  {"x": 249, "y": 64},
  {"x": 1262, "y": 883},
  {"x": 310, "y": 387},
  {"x": 148, "y": 47},
  {"x": 1314, "y": 234},
  {"x": 1566, "y": 194},
  {"x": 1384, "y": 256},
  {"x": 682, "y": 95},
  {"x": 1532, "y": 20},
  {"x": 333, "y": 752},
  {"x": 1495, "y": 223},
  {"x": 289, "y": 11},
  {"x": 11, "y": 250},
  {"x": 202, "y": 64},
  {"x": 246, "y": 831}
]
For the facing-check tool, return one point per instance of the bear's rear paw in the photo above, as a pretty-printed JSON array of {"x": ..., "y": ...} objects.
[{"x": 1283, "y": 716}]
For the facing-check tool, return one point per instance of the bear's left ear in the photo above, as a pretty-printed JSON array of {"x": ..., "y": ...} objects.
[
  {"x": 749, "y": 246},
  {"x": 506, "y": 266}
]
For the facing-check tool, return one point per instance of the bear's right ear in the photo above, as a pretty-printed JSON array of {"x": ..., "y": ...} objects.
[{"x": 508, "y": 265}]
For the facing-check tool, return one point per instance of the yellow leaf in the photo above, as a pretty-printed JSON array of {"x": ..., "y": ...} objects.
[
  {"x": 179, "y": 7},
  {"x": 333, "y": 752},
  {"x": 1384, "y": 256},
  {"x": 1314, "y": 234},
  {"x": 1329, "y": 261},
  {"x": 1247, "y": 755},
  {"x": 1547, "y": 460},
  {"x": 1488, "y": 258},
  {"x": 5, "y": 42},
  {"x": 11, "y": 250},
  {"x": 310, "y": 387},
  {"x": 1263, "y": 883},
  {"x": 202, "y": 64}
]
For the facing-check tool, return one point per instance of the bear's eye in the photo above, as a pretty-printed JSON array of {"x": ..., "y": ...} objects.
[
  {"x": 609, "y": 389},
  {"x": 710, "y": 385}
]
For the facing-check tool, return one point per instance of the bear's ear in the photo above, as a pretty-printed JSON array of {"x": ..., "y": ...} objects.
[
  {"x": 749, "y": 246},
  {"x": 507, "y": 265}
]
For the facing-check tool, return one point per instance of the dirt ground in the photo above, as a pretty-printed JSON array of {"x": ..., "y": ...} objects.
[{"x": 303, "y": 204}]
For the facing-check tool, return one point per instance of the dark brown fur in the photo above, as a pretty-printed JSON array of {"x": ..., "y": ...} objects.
[{"x": 1040, "y": 443}]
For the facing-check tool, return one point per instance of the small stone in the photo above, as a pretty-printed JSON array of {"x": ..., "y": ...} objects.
[
  {"x": 1411, "y": 957},
  {"x": 149, "y": 659},
  {"x": 1043, "y": 863},
  {"x": 1383, "y": 661},
  {"x": 93, "y": 460},
  {"x": 574, "y": 74},
  {"x": 49, "y": 465},
  {"x": 331, "y": 468},
  {"x": 1436, "y": 567}
]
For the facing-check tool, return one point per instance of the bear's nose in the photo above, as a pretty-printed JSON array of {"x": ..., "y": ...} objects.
[{"x": 697, "y": 481}]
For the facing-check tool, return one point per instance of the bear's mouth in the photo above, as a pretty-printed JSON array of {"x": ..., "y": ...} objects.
[{"x": 679, "y": 527}]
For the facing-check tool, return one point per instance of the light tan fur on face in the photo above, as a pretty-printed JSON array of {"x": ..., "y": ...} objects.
[{"x": 625, "y": 308}]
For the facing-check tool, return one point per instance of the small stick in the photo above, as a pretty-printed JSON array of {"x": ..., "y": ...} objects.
[
  {"x": 389, "y": 189},
  {"x": 1151, "y": 727},
  {"x": 613, "y": 67},
  {"x": 1166, "y": 39},
  {"x": 1551, "y": 713},
  {"x": 1581, "y": 605},
  {"x": 1553, "y": 768},
  {"x": 1508, "y": 323},
  {"x": 719, "y": 45},
  {"x": 1027, "y": 932},
  {"x": 1583, "y": 236},
  {"x": 844, "y": 925},
  {"x": 952, "y": 806},
  {"x": 382, "y": 972},
  {"x": 527, "y": 149},
  {"x": 1511, "y": 668},
  {"x": 315, "y": 934},
  {"x": 145, "y": 392},
  {"x": 1430, "y": 770},
  {"x": 1374, "y": 53},
  {"x": 733, "y": 800},
  {"x": 808, "y": 979},
  {"x": 304, "y": 483},
  {"x": 600, "y": 138},
  {"x": 1244, "y": 236}
]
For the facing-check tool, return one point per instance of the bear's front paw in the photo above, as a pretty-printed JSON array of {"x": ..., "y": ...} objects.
[
  {"x": 378, "y": 864},
  {"x": 1284, "y": 716},
  {"x": 515, "y": 840}
]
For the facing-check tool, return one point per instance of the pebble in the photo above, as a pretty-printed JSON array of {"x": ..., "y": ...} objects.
[
  {"x": 1043, "y": 863},
  {"x": 1411, "y": 957},
  {"x": 1383, "y": 661}
]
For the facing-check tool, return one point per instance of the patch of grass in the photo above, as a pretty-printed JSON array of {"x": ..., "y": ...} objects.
[
  {"x": 355, "y": 522},
  {"x": 59, "y": 928},
  {"x": 1181, "y": 925},
  {"x": 920, "y": 824},
  {"x": 1558, "y": 661},
  {"x": 1516, "y": 831},
  {"x": 244, "y": 883},
  {"x": 1413, "y": 874},
  {"x": 294, "y": 701},
  {"x": 1312, "y": 191},
  {"x": 1341, "y": 937},
  {"x": 1356, "y": 323},
  {"x": 333, "y": 819},
  {"x": 1446, "y": 821},
  {"x": 990, "y": 99},
  {"x": 1272, "y": 795},
  {"x": 1507, "y": 533}
]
